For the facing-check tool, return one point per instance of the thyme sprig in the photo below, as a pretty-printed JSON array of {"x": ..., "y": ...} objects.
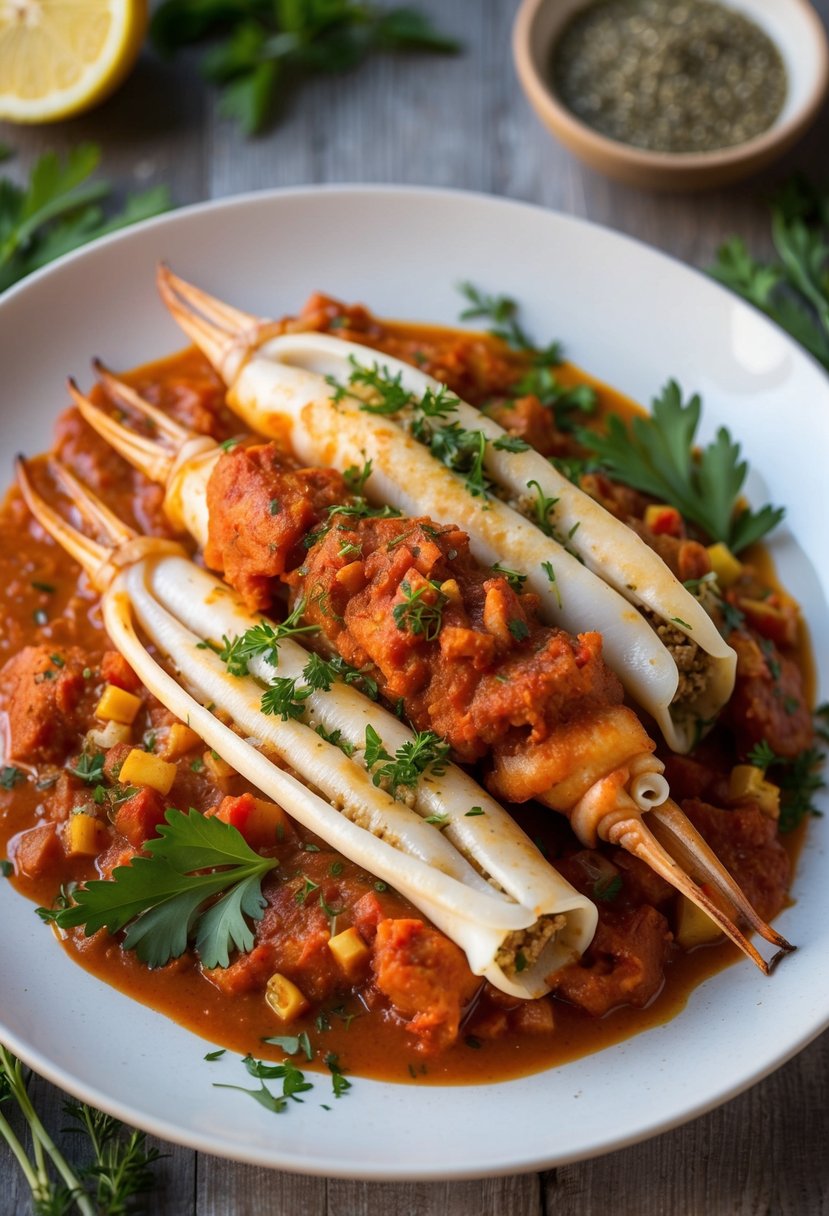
[{"x": 120, "y": 1168}]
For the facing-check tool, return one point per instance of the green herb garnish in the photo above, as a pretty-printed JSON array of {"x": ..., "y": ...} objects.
[
  {"x": 59, "y": 210},
  {"x": 794, "y": 290},
  {"x": 260, "y": 50},
  {"x": 416, "y": 614},
  {"x": 408, "y": 764},
  {"x": 201, "y": 880},
  {"x": 502, "y": 313},
  {"x": 657, "y": 455}
]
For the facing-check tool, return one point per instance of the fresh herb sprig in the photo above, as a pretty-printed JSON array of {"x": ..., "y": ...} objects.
[
  {"x": 262, "y": 640},
  {"x": 59, "y": 210},
  {"x": 418, "y": 614},
  {"x": 569, "y": 405},
  {"x": 657, "y": 455},
  {"x": 408, "y": 764},
  {"x": 793, "y": 290},
  {"x": 262, "y": 49},
  {"x": 800, "y": 778},
  {"x": 200, "y": 879},
  {"x": 119, "y": 1171},
  {"x": 502, "y": 313}
]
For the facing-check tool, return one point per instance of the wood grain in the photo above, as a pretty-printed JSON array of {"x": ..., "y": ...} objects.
[{"x": 459, "y": 123}]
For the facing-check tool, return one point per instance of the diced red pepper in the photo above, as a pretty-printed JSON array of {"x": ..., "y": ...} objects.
[
  {"x": 777, "y": 622},
  {"x": 138, "y": 818},
  {"x": 664, "y": 520},
  {"x": 37, "y": 850},
  {"x": 263, "y": 824},
  {"x": 116, "y": 670}
]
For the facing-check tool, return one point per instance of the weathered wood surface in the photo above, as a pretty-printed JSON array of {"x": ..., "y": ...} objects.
[{"x": 462, "y": 123}]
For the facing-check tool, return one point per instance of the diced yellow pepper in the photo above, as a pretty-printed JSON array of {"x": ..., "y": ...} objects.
[
  {"x": 724, "y": 564},
  {"x": 86, "y": 835},
  {"x": 268, "y": 823},
  {"x": 117, "y": 705},
  {"x": 143, "y": 768},
  {"x": 284, "y": 998},
  {"x": 451, "y": 590},
  {"x": 694, "y": 927},
  {"x": 350, "y": 951},
  {"x": 181, "y": 740},
  {"x": 746, "y": 783},
  {"x": 217, "y": 767}
]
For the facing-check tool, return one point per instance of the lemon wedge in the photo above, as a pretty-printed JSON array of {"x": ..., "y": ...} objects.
[{"x": 60, "y": 57}]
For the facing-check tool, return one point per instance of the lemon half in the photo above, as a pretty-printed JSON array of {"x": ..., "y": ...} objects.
[{"x": 59, "y": 57}]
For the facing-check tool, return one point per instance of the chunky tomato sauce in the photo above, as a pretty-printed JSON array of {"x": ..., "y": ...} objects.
[{"x": 398, "y": 1017}]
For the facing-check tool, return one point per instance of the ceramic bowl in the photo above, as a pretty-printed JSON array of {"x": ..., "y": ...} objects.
[{"x": 794, "y": 27}]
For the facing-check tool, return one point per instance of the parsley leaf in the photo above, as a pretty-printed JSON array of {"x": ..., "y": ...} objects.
[
  {"x": 657, "y": 455},
  {"x": 408, "y": 764},
  {"x": 418, "y": 615},
  {"x": 89, "y": 768},
  {"x": 543, "y": 383},
  {"x": 262, "y": 639},
  {"x": 160, "y": 899},
  {"x": 793, "y": 291},
  {"x": 502, "y": 312},
  {"x": 59, "y": 210},
  {"x": 10, "y": 776},
  {"x": 262, "y": 49}
]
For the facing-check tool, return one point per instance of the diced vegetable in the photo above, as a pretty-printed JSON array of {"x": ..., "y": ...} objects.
[
  {"x": 85, "y": 836},
  {"x": 261, "y": 823},
  {"x": 694, "y": 927},
  {"x": 117, "y": 705},
  {"x": 139, "y": 817},
  {"x": 143, "y": 768},
  {"x": 746, "y": 783},
  {"x": 724, "y": 564},
  {"x": 109, "y": 735},
  {"x": 181, "y": 740},
  {"x": 352, "y": 577},
  {"x": 350, "y": 951},
  {"x": 284, "y": 998},
  {"x": 217, "y": 767},
  {"x": 775, "y": 622},
  {"x": 451, "y": 590},
  {"x": 664, "y": 520}
]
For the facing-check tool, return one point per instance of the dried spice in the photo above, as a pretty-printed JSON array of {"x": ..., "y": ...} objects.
[{"x": 669, "y": 76}]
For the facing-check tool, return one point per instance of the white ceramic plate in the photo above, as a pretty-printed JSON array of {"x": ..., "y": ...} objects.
[{"x": 632, "y": 317}]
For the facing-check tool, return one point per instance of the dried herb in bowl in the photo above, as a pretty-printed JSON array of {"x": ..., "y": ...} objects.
[{"x": 669, "y": 75}]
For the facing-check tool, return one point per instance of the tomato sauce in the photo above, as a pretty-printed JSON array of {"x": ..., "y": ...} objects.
[{"x": 45, "y": 600}]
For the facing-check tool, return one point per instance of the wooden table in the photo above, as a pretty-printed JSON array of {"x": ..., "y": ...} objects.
[{"x": 462, "y": 123}]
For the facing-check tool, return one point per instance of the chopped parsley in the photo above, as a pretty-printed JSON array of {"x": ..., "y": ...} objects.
[
  {"x": 339, "y": 1082},
  {"x": 262, "y": 640},
  {"x": 565, "y": 403},
  {"x": 89, "y": 768},
  {"x": 418, "y": 615},
  {"x": 10, "y": 776},
  {"x": 502, "y": 312},
  {"x": 410, "y": 761},
  {"x": 515, "y": 579}
]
